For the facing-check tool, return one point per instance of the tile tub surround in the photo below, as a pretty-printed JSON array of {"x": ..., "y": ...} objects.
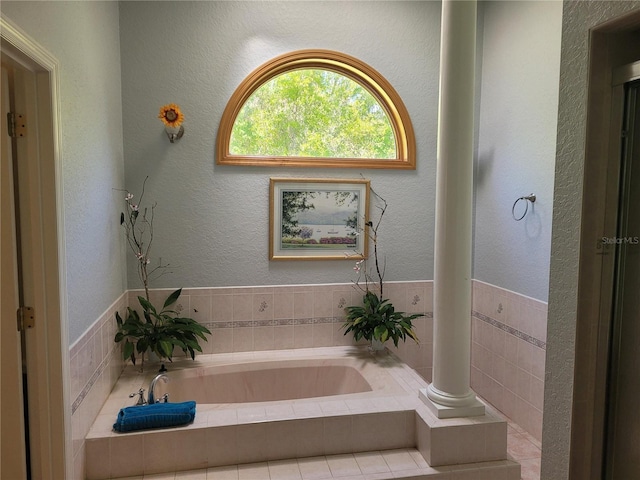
[
  {"x": 508, "y": 331},
  {"x": 508, "y": 353},
  {"x": 95, "y": 366},
  {"x": 244, "y": 319},
  {"x": 230, "y": 434}
]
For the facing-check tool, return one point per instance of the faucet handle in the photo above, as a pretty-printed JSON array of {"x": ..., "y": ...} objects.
[
  {"x": 141, "y": 399},
  {"x": 165, "y": 398}
]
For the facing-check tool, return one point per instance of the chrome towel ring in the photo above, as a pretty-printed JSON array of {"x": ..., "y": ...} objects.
[{"x": 527, "y": 198}]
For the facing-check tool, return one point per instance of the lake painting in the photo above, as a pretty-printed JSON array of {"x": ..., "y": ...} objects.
[
  {"x": 316, "y": 220},
  {"x": 319, "y": 219}
]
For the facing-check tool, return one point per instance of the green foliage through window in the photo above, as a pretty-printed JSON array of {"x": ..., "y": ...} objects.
[{"x": 313, "y": 113}]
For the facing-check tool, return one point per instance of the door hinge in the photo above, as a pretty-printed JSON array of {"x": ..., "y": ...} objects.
[
  {"x": 26, "y": 318},
  {"x": 16, "y": 125}
]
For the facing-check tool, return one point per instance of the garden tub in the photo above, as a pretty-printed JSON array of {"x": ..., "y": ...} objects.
[
  {"x": 275, "y": 405},
  {"x": 276, "y": 380}
]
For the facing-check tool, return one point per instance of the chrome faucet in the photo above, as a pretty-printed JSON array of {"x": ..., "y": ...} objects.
[
  {"x": 141, "y": 400},
  {"x": 152, "y": 397}
]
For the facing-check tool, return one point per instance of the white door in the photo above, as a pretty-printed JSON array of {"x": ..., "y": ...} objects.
[
  {"x": 13, "y": 462},
  {"x": 32, "y": 75}
]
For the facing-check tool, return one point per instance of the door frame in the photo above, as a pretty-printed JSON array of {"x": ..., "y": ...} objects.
[
  {"x": 51, "y": 406},
  {"x": 621, "y": 79},
  {"x": 612, "y": 59}
]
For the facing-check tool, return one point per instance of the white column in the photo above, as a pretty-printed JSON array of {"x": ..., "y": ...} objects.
[{"x": 450, "y": 394}]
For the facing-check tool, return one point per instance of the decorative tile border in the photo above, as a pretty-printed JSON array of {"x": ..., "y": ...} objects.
[
  {"x": 101, "y": 351},
  {"x": 94, "y": 378},
  {"x": 516, "y": 333},
  {"x": 282, "y": 322}
]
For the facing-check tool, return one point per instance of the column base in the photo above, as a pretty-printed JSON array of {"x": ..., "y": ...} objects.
[{"x": 444, "y": 406}]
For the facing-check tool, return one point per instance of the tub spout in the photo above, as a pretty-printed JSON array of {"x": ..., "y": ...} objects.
[{"x": 152, "y": 396}]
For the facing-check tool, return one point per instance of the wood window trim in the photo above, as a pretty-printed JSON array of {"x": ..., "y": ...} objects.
[{"x": 343, "y": 64}]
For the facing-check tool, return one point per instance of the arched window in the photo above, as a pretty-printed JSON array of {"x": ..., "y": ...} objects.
[{"x": 316, "y": 108}]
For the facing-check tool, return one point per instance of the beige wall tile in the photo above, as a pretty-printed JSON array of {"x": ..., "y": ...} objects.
[
  {"x": 98, "y": 459},
  {"x": 190, "y": 449},
  {"x": 323, "y": 301},
  {"x": 524, "y": 354},
  {"x": 242, "y": 307},
  {"x": 366, "y": 430},
  {"x": 344, "y": 297},
  {"x": 222, "y": 445},
  {"x": 338, "y": 435},
  {"x": 200, "y": 308},
  {"x": 283, "y": 304},
  {"x": 222, "y": 307},
  {"x": 263, "y": 306},
  {"x": 252, "y": 443},
  {"x": 159, "y": 453},
  {"x": 537, "y": 393},
  {"x": 322, "y": 334},
  {"x": 220, "y": 341},
  {"x": 498, "y": 341},
  {"x": 538, "y": 362},
  {"x": 283, "y": 337},
  {"x": 263, "y": 338},
  {"x": 281, "y": 439},
  {"x": 242, "y": 339},
  {"x": 309, "y": 437},
  {"x": 511, "y": 348},
  {"x": 126, "y": 458},
  {"x": 510, "y": 377},
  {"x": 397, "y": 294},
  {"x": 303, "y": 336},
  {"x": 303, "y": 305},
  {"x": 523, "y": 387}
]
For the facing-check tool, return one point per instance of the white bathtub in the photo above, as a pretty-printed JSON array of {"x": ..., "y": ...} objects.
[{"x": 254, "y": 381}]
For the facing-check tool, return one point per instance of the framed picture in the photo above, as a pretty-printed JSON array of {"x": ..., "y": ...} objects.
[{"x": 317, "y": 219}]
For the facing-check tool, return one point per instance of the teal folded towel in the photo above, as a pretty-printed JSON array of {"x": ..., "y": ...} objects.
[{"x": 159, "y": 415}]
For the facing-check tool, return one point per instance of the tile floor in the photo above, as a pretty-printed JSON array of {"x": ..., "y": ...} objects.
[
  {"x": 359, "y": 466},
  {"x": 525, "y": 450},
  {"x": 403, "y": 463}
]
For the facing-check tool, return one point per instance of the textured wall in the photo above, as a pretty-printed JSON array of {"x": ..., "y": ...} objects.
[
  {"x": 516, "y": 144},
  {"x": 578, "y": 19},
  {"x": 83, "y": 36},
  {"x": 212, "y": 221}
]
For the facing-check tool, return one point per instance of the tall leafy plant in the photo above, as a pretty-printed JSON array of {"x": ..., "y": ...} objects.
[
  {"x": 158, "y": 330},
  {"x": 377, "y": 318}
]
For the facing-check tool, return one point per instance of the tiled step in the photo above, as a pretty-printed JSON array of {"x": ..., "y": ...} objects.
[{"x": 407, "y": 464}]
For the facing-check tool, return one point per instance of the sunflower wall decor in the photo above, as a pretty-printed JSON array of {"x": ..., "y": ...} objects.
[{"x": 172, "y": 117}]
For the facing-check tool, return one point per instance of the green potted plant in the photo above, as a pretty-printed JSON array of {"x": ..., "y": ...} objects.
[
  {"x": 376, "y": 320},
  {"x": 155, "y": 330}
]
